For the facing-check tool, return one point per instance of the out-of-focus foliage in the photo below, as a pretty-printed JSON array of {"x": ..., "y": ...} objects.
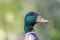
[{"x": 12, "y": 14}]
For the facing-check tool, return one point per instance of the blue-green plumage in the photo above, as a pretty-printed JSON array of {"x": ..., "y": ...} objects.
[{"x": 30, "y": 19}]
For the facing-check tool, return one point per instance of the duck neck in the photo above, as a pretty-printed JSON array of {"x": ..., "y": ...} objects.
[{"x": 28, "y": 29}]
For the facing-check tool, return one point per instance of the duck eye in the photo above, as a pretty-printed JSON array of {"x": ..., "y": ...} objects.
[{"x": 39, "y": 18}]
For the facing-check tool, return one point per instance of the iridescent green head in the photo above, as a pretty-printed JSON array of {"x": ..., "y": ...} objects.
[{"x": 31, "y": 19}]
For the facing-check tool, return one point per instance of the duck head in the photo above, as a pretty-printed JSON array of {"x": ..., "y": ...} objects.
[{"x": 31, "y": 19}]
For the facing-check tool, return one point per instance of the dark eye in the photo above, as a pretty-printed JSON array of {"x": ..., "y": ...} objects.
[{"x": 39, "y": 18}]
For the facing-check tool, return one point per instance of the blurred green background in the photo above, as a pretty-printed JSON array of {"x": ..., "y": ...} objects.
[{"x": 12, "y": 14}]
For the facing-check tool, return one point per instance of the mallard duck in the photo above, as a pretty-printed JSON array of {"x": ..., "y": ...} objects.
[{"x": 30, "y": 20}]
